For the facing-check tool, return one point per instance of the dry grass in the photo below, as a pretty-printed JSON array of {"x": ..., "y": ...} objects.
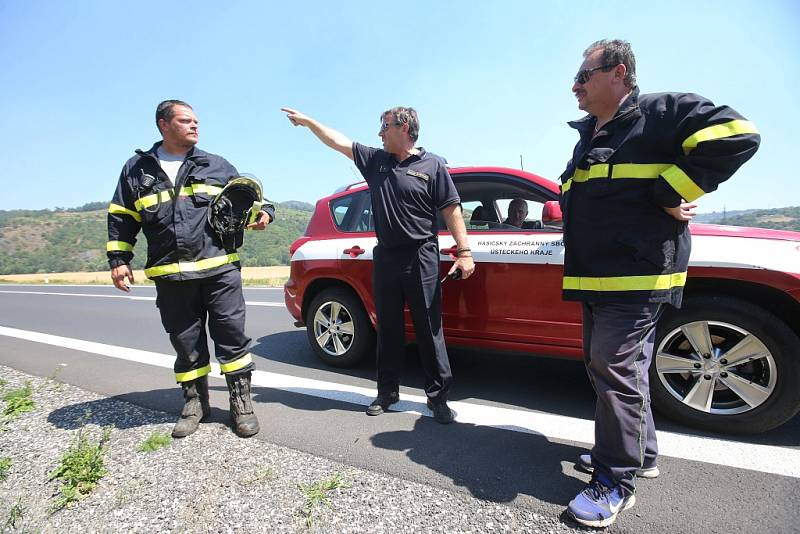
[
  {"x": 272, "y": 276},
  {"x": 775, "y": 219}
]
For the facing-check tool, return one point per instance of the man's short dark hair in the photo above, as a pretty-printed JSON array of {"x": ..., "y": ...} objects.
[
  {"x": 616, "y": 51},
  {"x": 165, "y": 110},
  {"x": 405, "y": 115}
]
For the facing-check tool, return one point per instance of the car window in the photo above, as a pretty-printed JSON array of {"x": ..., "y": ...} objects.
[
  {"x": 353, "y": 213},
  {"x": 487, "y": 200}
]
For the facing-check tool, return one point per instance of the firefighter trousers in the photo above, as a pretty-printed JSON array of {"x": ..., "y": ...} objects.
[
  {"x": 187, "y": 306},
  {"x": 410, "y": 274},
  {"x": 618, "y": 349}
]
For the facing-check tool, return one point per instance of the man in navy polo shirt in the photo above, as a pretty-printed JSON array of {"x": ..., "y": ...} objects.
[{"x": 408, "y": 186}]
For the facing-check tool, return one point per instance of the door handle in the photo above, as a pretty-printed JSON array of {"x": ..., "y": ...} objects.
[
  {"x": 448, "y": 251},
  {"x": 354, "y": 251}
]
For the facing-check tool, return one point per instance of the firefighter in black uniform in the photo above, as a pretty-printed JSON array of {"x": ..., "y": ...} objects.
[
  {"x": 626, "y": 196},
  {"x": 166, "y": 191},
  {"x": 408, "y": 186}
]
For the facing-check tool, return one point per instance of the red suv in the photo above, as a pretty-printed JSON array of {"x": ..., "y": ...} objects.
[{"x": 728, "y": 361}]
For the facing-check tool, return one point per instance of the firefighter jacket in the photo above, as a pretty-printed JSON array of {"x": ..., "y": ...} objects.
[
  {"x": 620, "y": 244},
  {"x": 181, "y": 245}
]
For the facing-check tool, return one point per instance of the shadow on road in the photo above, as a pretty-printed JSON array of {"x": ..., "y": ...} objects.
[
  {"x": 551, "y": 385},
  {"x": 493, "y": 464}
]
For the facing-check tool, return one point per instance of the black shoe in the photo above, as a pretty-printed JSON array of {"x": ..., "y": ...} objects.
[
  {"x": 382, "y": 403},
  {"x": 442, "y": 413}
]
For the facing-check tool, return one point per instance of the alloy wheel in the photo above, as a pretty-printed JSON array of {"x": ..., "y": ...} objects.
[
  {"x": 716, "y": 367},
  {"x": 333, "y": 328}
]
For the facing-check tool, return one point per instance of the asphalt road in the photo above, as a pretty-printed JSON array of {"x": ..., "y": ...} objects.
[{"x": 522, "y": 422}]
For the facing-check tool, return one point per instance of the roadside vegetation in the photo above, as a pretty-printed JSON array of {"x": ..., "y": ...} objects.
[
  {"x": 155, "y": 441},
  {"x": 80, "y": 468},
  {"x": 18, "y": 401},
  {"x": 317, "y": 494},
  {"x": 15, "y": 514},
  {"x": 263, "y": 474},
  {"x": 5, "y": 467}
]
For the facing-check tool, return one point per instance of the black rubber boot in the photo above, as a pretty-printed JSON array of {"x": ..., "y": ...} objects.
[
  {"x": 195, "y": 409},
  {"x": 245, "y": 422}
]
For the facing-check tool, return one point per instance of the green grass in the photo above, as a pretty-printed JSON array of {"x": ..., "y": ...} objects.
[
  {"x": 264, "y": 473},
  {"x": 155, "y": 441},
  {"x": 316, "y": 494},
  {"x": 15, "y": 513},
  {"x": 80, "y": 468},
  {"x": 5, "y": 465},
  {"x": 3, "y": 383},
  {"x": 18, "y": 401}
]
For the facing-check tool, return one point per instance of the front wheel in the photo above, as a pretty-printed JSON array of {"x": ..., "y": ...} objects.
[
  {"x": 338, "y": 328},
  {"x": 725, "y": 365}
]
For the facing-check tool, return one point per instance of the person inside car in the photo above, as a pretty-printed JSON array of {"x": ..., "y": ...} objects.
[{"x": 517, "y": 212}]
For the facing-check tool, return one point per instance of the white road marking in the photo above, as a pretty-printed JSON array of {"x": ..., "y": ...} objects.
[
  {"x": 129, "y": 297},
  {"x": 764, "y": 458}
]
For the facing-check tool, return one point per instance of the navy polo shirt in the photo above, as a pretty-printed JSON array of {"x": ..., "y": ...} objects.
[{"x": 407, "y": 195}]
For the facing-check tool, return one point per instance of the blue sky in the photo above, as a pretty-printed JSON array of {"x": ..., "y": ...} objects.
[{"x": 491, "y": 81}]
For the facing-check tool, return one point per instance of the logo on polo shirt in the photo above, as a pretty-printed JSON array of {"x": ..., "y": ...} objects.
[{"x": 421, "y": 175}]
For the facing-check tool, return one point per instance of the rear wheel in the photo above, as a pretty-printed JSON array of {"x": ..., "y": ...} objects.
[
  {"x": 725, "y": 365},
  {"x": 338, "y": 328}
]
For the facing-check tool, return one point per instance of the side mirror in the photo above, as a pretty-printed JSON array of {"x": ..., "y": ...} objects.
[{"x": 551, "y": 212}]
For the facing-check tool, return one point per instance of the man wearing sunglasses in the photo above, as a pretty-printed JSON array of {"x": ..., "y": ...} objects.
[
  {"x": 408, "y": 186},
  {"x": 627, "y": 196}
]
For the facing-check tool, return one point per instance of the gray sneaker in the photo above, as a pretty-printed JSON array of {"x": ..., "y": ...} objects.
[{"x": 585, "y": 464}]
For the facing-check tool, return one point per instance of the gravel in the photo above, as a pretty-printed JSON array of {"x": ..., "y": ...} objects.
[{"x": 211, "y": 481}]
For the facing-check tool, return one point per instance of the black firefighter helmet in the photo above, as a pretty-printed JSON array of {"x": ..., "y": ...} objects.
[{"x": 236, "y": 206}]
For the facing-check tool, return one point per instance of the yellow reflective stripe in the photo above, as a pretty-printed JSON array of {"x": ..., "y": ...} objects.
[
  {"x": 625, "y": 283},
  {"x": 152, "y": 200},
  {"x": 193, "y": 374},
  {"x": 113, "y": 246},
  {"x": 595, "y": 171},
  {"x": 235, "y": 365},
  {"x": 190, "y": 266},
  {"x": 638, "y": 170},
  {"x": 187, "y": 190},
  {"x": 581, "y": 175},
  {"x": 718, "y": 131},
  {"x": 116, "y": 209},
  {"x": 682, "y": 184},
  {"x": 211, "y": 190}
]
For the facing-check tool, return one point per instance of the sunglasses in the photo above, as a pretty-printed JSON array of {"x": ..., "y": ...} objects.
[
  {"x": 385, "y": 125},
  {"x": 583, "y": 76}
]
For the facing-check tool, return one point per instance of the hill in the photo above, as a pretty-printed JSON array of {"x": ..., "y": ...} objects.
[
  {"x": 64, "y": 240},
  {"x": 777, "y": 218}
]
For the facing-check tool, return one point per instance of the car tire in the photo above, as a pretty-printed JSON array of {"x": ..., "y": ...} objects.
[
  {"x": 712, "y": 391},
  {"x": 349, "y": 337}
]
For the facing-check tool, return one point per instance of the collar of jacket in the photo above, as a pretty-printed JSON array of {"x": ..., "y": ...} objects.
[
  {"x": 629, "y": 107},
  {"x": 195, "y": 155}
]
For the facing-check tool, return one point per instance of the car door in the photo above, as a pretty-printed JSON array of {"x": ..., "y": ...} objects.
[
  {"x": 514, "y": 298},
  {"x": 352, "y": 216}
]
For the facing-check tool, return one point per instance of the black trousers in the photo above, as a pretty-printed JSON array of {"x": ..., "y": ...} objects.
[
  {"x": 187, "y": 306},
  {"x": 410, "y": 274},
  {"x": 618, "y": 349}
]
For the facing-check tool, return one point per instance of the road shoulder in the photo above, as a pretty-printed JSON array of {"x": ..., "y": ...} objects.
[{"x": 211, "y": 481}]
